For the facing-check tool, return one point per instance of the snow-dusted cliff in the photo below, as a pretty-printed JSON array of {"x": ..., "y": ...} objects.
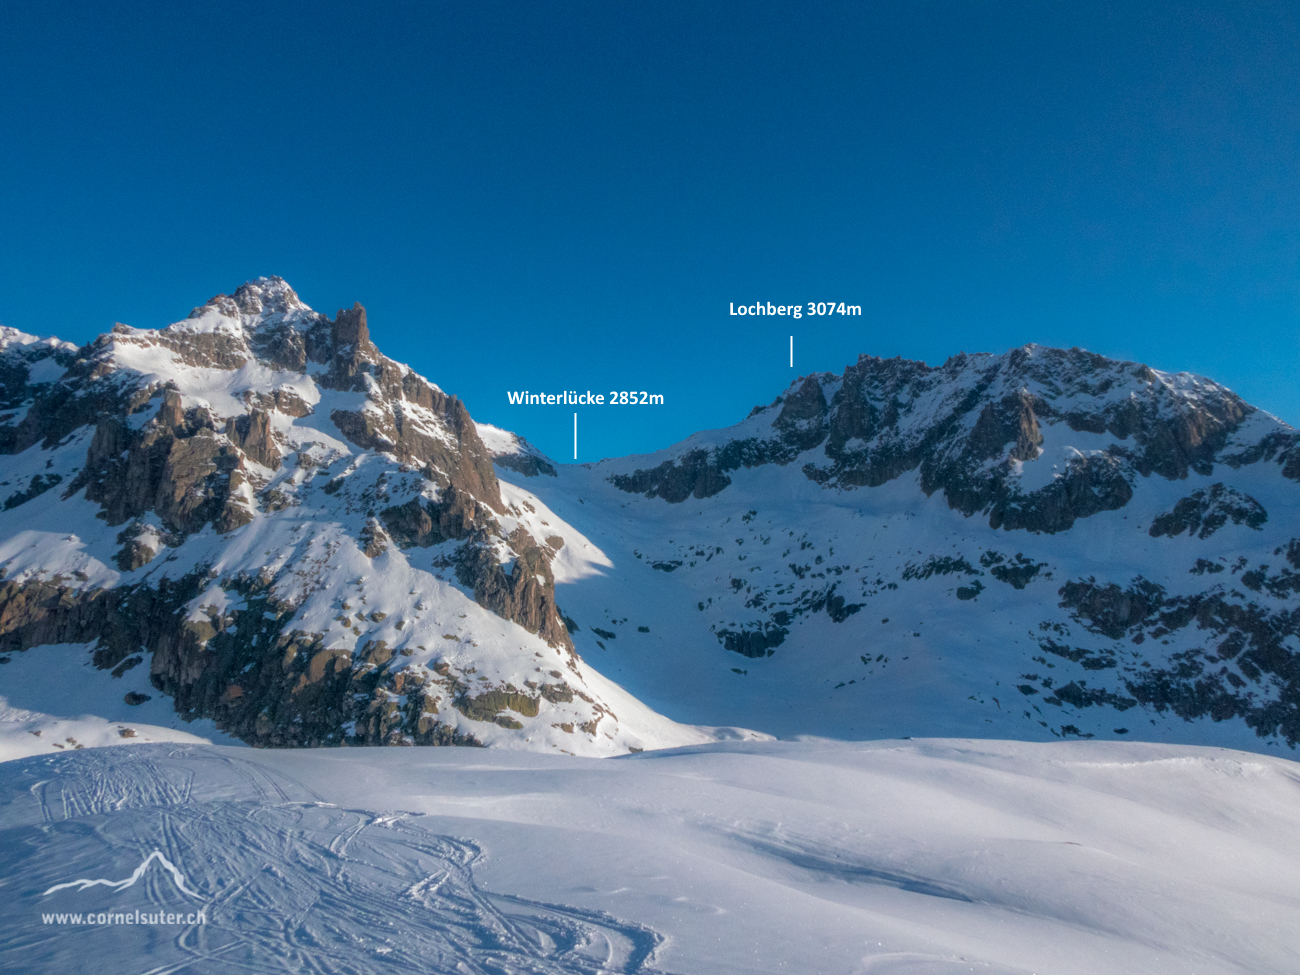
[
  {"x": 292, "y": 535},
  {"x": 255, "y": 516}
]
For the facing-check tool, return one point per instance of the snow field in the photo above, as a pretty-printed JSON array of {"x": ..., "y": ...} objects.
[{"x": 812, "y": 856}]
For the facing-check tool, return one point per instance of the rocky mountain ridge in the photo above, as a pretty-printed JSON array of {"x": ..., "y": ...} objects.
[
  {"x": 257, "y": 423},
  {"x": 1135, "y": 530},
  {"x": 972, "y": 425},
  {"x": 307, "y": 543}
]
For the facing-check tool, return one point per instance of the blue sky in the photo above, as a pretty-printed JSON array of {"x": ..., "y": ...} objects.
[{"x": 569, "y": 195}]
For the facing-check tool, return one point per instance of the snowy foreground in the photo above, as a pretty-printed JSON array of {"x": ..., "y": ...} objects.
[{"x": 936, "y": 856}]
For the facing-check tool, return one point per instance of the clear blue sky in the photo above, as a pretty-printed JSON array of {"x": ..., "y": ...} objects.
[{"x": 551, "y": 195}]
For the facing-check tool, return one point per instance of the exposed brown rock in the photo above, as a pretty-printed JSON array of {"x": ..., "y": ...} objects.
[
  {"x": 351, "y": 349},
  {"x": 251, "y": 433},
  {"x": 268, "y": 686},
  {"x": 373, "y": 539},
  {"x": 487, "y": 706},
  {"x": 467, "y": 467},
  {"x": 526, "y": 596},
  {"x": 420, "y": 522},
  {"x": 171, "y": 414}
]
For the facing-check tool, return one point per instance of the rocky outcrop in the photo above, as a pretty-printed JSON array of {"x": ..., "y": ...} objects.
[
  {"x": 525, "y": 595},
  {"x": 1241, "y": 667},
  {"x": 529, "y": 465},
  {"x": 802, "y": 420},
  {"x": 38, "y": 485},
  {"x": 176, "y": 466},
  {"x": 1089, "y": 486},
  {"x": 251, "y": 433},
  {"x": 421, "y": 439},
  {"x": 754, "y": 643},
  {"x": 242, "y": 670},
  {"x": 421, "y": 522},
  {"x": 974, "y": 427},
  {"x": 352, "y": 350},
  {"x": 488, "y": 706},
  {"x": 1204, "y": 512},
  {"x": 1012, "y": 420},
  {"x": 694, "y": 475}
]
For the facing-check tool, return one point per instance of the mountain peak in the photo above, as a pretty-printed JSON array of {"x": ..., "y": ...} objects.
[
  {"x": 337, "y": 512},
  {"x": 264, "y": 301},
  {"x": 268, "y": 295}
]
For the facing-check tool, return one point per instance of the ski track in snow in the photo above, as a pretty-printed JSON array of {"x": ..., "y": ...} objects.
[
  {"x": 289, "y": 884},
  {"x": 934, "y": 857}
]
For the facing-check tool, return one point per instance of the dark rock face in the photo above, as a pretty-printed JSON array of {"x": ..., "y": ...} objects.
[
  {"x": 1242, "y": 670},
  {"x": 695, "y": 475},
  {"x": 525, "y": 595},
  {"x": 521, "y": 596},
  {"x": 1110, "y": 610},
  {"x": 352, "y": 349},
  {"x": 38, "y": 485},
  {"x": 754, "y": 643},
  {"x": 802, "y": 420},
  {"x": 801, "y": 424},
  {"x": 401, "y": 432},
  {"x": 529, "y": 465},
  {"x": 1090, "y": 485},
  {"x": 58, "y": 409},
  {"x": 1010, "y": 421},
  {"x": 1202, "y": 513},
  {"x": 975, "y": 426},
  {"x": 270, "y": 687},
  {"x": 135, "y": 551},
  {"x": 420, "y": 522},
  {"x": 177, "y": 466},
  {"x": 1016, "y": 572}
]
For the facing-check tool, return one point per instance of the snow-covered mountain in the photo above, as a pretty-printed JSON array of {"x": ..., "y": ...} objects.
[
  {"x": 257, "y": 515},
  {"x": 1041, "y": 543},
  {"x": 292, "y": 536}
]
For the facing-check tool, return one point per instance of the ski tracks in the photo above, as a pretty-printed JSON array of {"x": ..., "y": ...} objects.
[{"x": 288, "y": 883}]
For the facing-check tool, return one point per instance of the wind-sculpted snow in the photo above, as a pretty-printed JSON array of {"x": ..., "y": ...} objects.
[{"x": 747, "y": 857}]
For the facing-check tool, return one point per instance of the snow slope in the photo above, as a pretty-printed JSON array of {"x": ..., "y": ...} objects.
[
  {"x": 55, "y": 699},
  {"x": 1037, "y": 545},
  {"x": 934, "y": 664},
  {"x": 810, "y": 856}
]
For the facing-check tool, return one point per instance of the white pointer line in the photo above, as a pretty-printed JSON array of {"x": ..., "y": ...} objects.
[
  {"x": 791, "y": 351},
  {"x": 575, "y": 436}
]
